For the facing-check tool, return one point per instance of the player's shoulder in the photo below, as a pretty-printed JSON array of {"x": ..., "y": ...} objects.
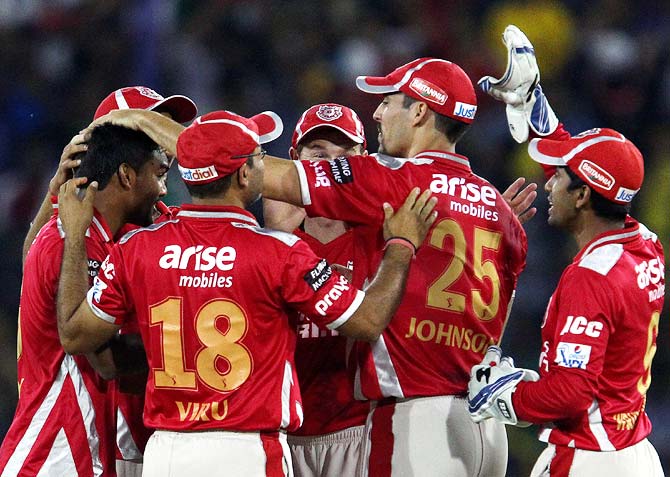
[
  {"x": 603, "y": 259},
  {"x": 270, "y": 235},
  {"x": 144, "y": 232}
]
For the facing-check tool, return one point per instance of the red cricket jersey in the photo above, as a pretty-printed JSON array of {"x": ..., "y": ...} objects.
[
  {"x": 461, "y": 284},
  {"x": 63, "y": 423},
  {"x": 211, "y": 293},
  {"x": 601, "y": 326},
  {"x": 321, "y": 357}
]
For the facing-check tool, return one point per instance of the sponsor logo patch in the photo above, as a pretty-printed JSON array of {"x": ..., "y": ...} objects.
[
  {"x": 318, "y": 275},
  {"x": 93, "y": 267},
  {"x": 341, "y": 170},
  {"x": 329, "y": 113},
  {"x": 596, "y": 175},
  {"x": 98, "y": 287},
  {"x": 332, "y": 296},
  {"x": 428, "y": 91},
  {"x": 572, "y": 355},
  {"x": 625, "y": 195},
  {"x": 149, "y": 93},
  {"x": 199, "y": 174},
  {"x": 464, "y": 110}
]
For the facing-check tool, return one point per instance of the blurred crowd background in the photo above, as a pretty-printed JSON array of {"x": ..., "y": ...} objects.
[{"x": 603, "y": 63}]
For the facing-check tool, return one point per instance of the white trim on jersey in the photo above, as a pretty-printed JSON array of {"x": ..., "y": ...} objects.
[
  {"x": 597, "y": 428},
  {"x": 101, "y": 229},
  {"x": 150, "y": 228},
  {"x": 124, "y": 439},
  {"x": 286, "y": 385},
  {"x": 284, "y": 237},
  {"x": 602, "y": 259},
  {"x": 446, "y": 156},
  {"x": 68, "y": 367},
  {"x": 610, "y": 238},
  {"x": 646, "y": 233},
  {"x": 97, "y": 311},
  {"x": 304, "y": 187},
  {"x": 216, "y": 215},
  {"x": 60, "y": 460},
  {"x": 386, "y": 375},
  {"x": 395, "y": 163},
  {"x": 344, "y": 317}
]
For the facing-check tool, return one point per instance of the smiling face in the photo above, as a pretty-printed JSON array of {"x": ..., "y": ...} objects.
[
  {"x": 325, "y": 144},
  {"x": 394, "y": 125},
  {"x": 149, "y": 187},
  {"x": 562, "y": 202}
]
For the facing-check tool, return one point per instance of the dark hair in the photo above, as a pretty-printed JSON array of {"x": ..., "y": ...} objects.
[
  {"x": 601, "y": 206},
  {"x": 217, "y": 187},
  {"x": 110, "y": 146},
  {"x": 452, "y": 129}
]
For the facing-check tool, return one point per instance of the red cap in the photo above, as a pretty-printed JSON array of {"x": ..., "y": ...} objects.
[
  {"x": 181, "y": 108},
  {"x": 208, "y": 149},
  {"x": 331, "y": 115},
  {"x": 603, "y": 158},
  {"x": 443, "y": 85}
]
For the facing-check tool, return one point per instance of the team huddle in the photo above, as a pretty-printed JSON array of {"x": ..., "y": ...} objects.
[{"x": 357, "y": 332}]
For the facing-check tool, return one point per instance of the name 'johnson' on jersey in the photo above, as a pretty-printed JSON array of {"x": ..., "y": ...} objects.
[{"x": 211, "y": 291}]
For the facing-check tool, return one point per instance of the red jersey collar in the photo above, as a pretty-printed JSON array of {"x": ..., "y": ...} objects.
[
  {"x": 445, "y": 156},
  {"x": 191, "y": 211},
  {"x": 629, "y": 232}
]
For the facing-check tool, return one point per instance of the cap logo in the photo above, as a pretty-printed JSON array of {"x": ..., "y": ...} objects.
[
  {"x": 199, "y": 174},
  {"x": 625, "y": 195},
  {"x": 329, "y": 113},
  {"x": 596, "y": 175},
  {"x": 428, "y": 91},
  {"x": 464, "y": 110},
  {"x": 149, "y": 93}
]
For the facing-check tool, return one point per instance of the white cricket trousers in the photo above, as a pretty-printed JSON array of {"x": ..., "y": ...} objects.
[
  {"x": 328, "y": 455},
  {"x": 639, "y": 460},
  {"x": 217, "y": 454},
  {"x": 431, "y": 437}
]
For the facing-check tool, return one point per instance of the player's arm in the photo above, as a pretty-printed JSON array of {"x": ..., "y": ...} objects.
[
  {"x": 68, "y": 161},
  {"x": 161, "y": 129},
  {"x": 404, "y": 232},
  {"x": 79, "y": 329},
  {"x": 281, "y": 181},
  {"x": 282, "y": 216}
]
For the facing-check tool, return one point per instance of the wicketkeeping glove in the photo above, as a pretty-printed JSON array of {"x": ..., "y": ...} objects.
[
  {"x": 519, "y": 88},
  {"x": 491, "y": 386}
]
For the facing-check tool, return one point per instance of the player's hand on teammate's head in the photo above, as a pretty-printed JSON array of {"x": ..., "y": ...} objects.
[
  {"x": 75, "y": 212},
  {"x": 520, "y": 200},
  {"x": 69, "y": 161},
  {"x": 413, "y": 219}
]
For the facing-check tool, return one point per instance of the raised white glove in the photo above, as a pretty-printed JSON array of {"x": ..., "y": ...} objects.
[
  {"x": 520, "y": 90},
  {"x": 491, "y": 386}
]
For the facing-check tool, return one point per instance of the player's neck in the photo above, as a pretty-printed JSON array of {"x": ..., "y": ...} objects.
[
  {"x": 430, "y": 140},
  {"x": 111, "y": 210},
  {"x": 324, "y": 230},
  {"x": 589, "y": 227}
]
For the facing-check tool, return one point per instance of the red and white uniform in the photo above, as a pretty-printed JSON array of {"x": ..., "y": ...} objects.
[
  {"x": 63, "y": 423},
  {"x": 211, "y": 292},
  {"x": 461, "y": 284},
  {"x": 599, "y": 338},
  {"x": 321, "y": 360},
  {"x": 458, "y": 292}
]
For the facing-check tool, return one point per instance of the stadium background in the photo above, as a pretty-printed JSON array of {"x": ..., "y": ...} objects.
[{"x": 603, "y": 63}]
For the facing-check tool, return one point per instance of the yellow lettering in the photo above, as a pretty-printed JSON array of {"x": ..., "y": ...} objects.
[
  {"x": 183, "y": 411},
  {"x": 196, "y": 408},
  {"x": 419, "y": 330},
  {"x": 479, "y": 343},
  {"x": 412, "y": 325},
  {"x": 202, "y": 413},
  {"x": 467, "y": 335},
  {"x": 215, "y": 411},
  {"x": 20, "y": 383},
  {"x": 442, "y": 334},
  {"x": 457, "y": 338}
]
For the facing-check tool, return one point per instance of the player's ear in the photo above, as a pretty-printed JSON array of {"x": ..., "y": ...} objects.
[
  {"x": 419, "y": 111},
  {"x": 583, "y": 196},
  {"x": 126, "y": 175},
  {"x": 243, "y": 176},
  {"x": 293, "y": 153}
]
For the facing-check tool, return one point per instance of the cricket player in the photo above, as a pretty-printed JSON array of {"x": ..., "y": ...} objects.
[
  {"x": 328, "y": 444},
  {"x": 600, "y": 328},
  {"x": 459, "y": 290},
  {"x": 65, "y": 422},
  {"x": 211, "y": 291}
]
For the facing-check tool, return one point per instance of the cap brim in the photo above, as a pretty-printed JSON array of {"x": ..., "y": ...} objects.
[
  {"x": 375, "y": 85},
  {"x": 181, "y": 108},
  {"x": 546, "y": 151},
  {"x": 270, "y": 126}
]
